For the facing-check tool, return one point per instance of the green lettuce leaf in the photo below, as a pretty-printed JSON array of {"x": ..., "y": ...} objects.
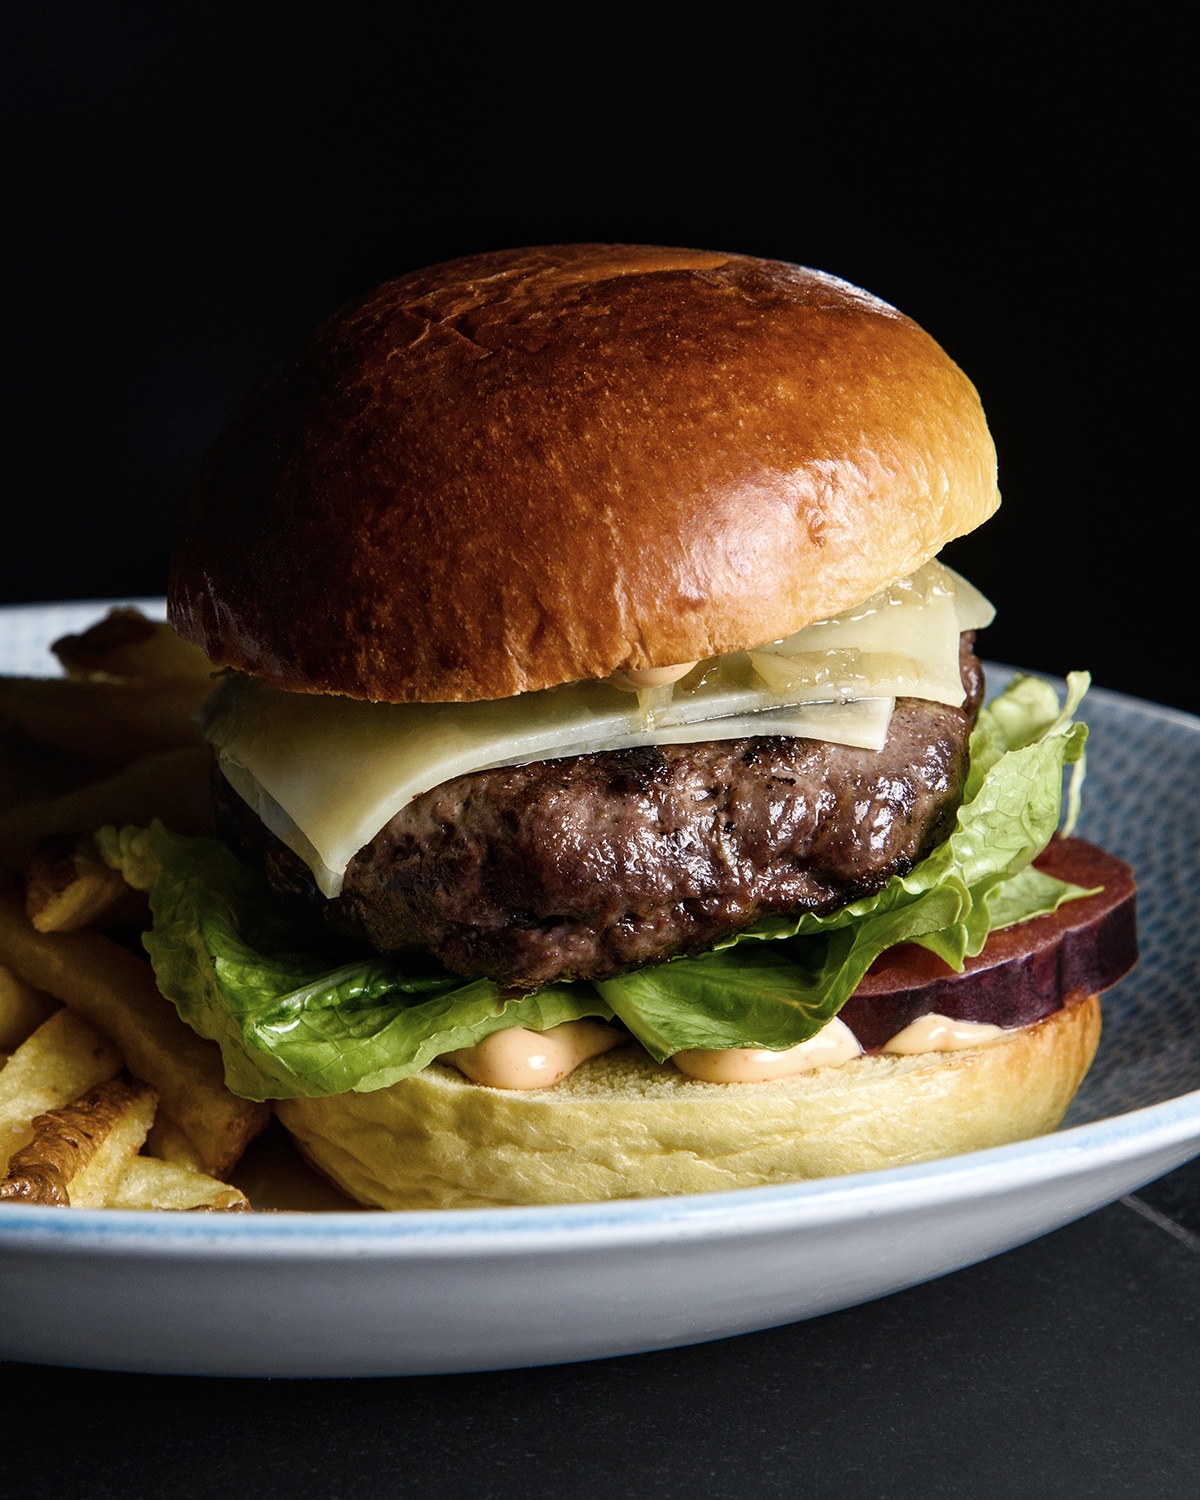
[
  {"x": 292, "y": 1021},
  {"x": 977, "y": 881},
  {"x": 288, "y": 1021}
]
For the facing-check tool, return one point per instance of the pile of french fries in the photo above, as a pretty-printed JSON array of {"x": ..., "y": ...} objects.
[{"x": 107, "y": 1099}]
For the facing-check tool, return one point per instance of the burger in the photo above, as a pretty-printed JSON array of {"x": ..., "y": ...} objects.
[{"x": 608, "y": 804}]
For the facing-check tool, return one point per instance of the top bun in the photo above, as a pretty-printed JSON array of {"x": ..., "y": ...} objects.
[{"x": 530, "y": 467}]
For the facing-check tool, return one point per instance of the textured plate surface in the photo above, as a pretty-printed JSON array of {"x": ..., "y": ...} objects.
[{"x": 375, "y": 1293}]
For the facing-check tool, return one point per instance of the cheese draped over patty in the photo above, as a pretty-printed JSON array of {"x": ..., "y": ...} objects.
[{"x": 326, "y": 773}]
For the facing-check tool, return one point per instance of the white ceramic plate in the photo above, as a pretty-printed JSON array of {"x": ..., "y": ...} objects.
[{"x": 351, "y": 1293}]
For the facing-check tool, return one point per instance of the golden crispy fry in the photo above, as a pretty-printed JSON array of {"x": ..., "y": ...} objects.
[
  {"x": 22, "y": 1010},
  {"x": 80, "y": 1152},
  {"x": 68, "y": 886},
  {"x": 148, "y": 1183},
  {"x": 102, "y": 1176},
  {"x": 62, "y": 1059},
  {"x": 125, "y": 646},
  {"x": 169, "y": 1143},
  {"x": 129, "y": 698},
  {"x": 74, "y": 1128},
  {"x": 85, "y": 1155},
  {"x": 115, "y": 990},
  {"x": 173, "y": 787},
  {"x": 112, "y": 723}
]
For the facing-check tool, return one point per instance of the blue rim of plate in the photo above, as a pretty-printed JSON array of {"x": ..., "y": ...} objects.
[{"x": 1072, "y": 1151}]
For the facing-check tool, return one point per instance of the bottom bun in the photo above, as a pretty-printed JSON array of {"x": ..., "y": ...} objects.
[{"x": 624, "y": 1126}]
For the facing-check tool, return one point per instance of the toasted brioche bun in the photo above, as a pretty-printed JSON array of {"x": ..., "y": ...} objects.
[
  {"x": 622, "y": 1126},
  {"x": 538, "y": 466}
]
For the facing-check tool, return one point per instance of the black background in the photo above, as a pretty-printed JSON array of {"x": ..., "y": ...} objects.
[
  {"x": 194, "y": 187},
  {"x": 191, "y": 187}
]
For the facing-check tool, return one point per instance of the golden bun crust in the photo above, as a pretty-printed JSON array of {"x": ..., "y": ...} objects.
[
  {"x": 538, "y": 466},
  {"x": 622, "y": 1126}
]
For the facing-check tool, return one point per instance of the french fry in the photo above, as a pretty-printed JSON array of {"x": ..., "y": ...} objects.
[
  {"x": 132, "y": 689},
  {"x": 115, "y": 990},
  {"x": 22, "y": 1010},
  {"x": 80, "y": 1152},
  {"x": 72, "y": 1126},
  {"x": 148, "y": 1183},
  {"x": 68, "y": 886},
  {"x": 169, "y": 1143},
  {"x": 112, "y": 723},
  {"x": 173, "y": 787},
  {"x": 95, "y": 1186},
  {"x": 32, "y": 773},
  {"x": 75, "y": 1132},
  {"x": 61, "y": 1060},
  {"x": 125, "y": 646},
  {"x": 85, "y": 1155}
]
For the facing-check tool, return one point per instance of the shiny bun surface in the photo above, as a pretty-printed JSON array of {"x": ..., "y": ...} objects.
[{"x": 537, "y": 466}]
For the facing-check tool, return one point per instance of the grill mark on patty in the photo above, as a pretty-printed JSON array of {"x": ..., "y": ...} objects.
[{"x": 585, "y": 867}]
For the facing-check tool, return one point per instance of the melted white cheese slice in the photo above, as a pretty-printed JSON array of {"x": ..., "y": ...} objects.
[
  {"x": 335, "y": 770},
  {"x": 325, "y": 774},
  {"x": 903, "y": 643}
]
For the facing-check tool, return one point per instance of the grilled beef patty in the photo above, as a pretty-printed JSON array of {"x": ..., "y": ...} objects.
[{"x": 582, "y": 868}]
